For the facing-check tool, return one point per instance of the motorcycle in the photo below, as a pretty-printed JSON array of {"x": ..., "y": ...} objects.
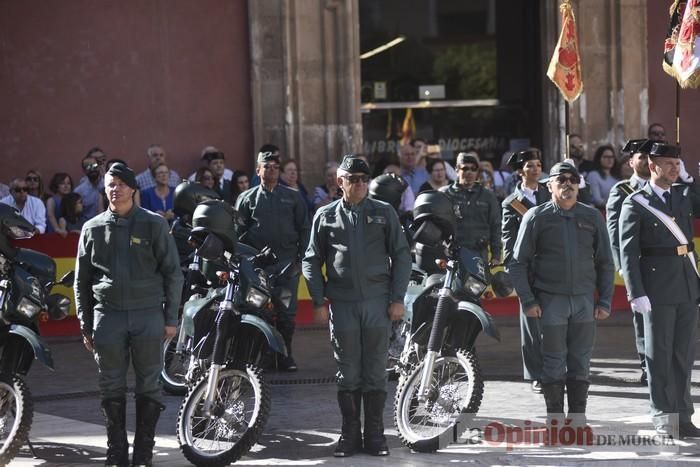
[
  {"x": 226, "y": 409},
  {"x": 26, "y": 278},
  {"x": 440, "y": 380}
]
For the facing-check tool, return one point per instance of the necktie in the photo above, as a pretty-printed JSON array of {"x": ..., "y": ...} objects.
[{"x": 667, "y": 198}]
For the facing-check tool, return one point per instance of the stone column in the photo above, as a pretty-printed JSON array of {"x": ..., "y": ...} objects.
[{"x": 305, "y": 66}]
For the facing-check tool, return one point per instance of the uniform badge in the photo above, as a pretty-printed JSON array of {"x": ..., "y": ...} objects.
[
  {"x": 376, "y": 220},
  {"x": 138, "y": 241}
]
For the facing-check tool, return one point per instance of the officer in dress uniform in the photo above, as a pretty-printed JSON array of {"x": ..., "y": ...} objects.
[
  {"x": 660, "y": 272},
  {"x": 275, "y": 216},
  {"x": 639, "y": 162},
  {"x": 477, "y": 210},
  {"x": 561, "y": 257},
  {"x": 529, "y": 192},
  {"x": 368, "y": 264}
]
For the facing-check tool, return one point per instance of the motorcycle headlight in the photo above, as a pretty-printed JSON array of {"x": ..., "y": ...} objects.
[
  {"x": 28, "y": 308},
  {"x": 474, "y": 286},
  {"x": 256, "y": 297}
]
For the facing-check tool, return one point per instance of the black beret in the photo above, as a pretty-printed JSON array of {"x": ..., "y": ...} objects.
[
  {"x": 563, "y": 168},
  {"x": 661, "y": 149},
  {"x": 634, "y": 146},
  {"x": 268, "y": 156},
  {"x": 354, "y": 164},
  {"x": 518, "y": 159},
  {"x": 124, "y": 173}
]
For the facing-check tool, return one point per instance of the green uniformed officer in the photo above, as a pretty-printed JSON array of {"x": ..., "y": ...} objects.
[
  {"x": 477, "y": 210},
  {"x": 275, "y": 216},
  {"x": 561, "y": 257},
  {"x": 660, "y": 272},
  {"x": 368, "y": 265},
  {"x": 528, "y": 193},
  {"x": 127, "y": 292},
  {"x": 639, "y": 162}
]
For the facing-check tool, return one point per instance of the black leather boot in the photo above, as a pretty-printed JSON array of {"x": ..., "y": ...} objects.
[
  {"x": 114, "y": 411},
  {"x": 577, "y": 396},
  {"x": 375, "y": 442},
  {"x": 147, "y": 414},
  {"x": 351, "y": 433},
  {"x": 286, "y": 328},
  {"x": 554, "y": 400}
]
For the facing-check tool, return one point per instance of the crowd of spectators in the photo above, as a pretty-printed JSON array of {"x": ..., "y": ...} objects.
[{"x": 64, "y": 207}]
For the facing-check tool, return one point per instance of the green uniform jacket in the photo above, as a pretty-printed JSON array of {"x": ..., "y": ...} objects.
[
  {"x": 666, "y": 280},
  {"x": 478, "y": 217},
  {"x": 127, "y": 263},
  {"x": 277, "y": 219},
  {"x": 618, "y": 193},
  {"x": 512, "y": 218},
  {"x": 562, "y": 252},
  {"x": 364, "y": 250}
]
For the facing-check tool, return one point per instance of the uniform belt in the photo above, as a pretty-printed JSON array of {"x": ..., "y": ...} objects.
[{"x": 668, "y": 251}]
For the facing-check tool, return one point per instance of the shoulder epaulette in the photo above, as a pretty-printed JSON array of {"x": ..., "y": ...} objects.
[
  {"x": 519, "y": 207},
  {"x": 626, "y": 188}
]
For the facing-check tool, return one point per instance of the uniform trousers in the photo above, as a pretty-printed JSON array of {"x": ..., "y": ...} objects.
[
  {"x": 669, "y": 337},
  {"x": 568, "y": 335},
  {"x": 121, "y": 336},
  {"x": 531, "y": 346},
  {"x": 360, "y": 333}
]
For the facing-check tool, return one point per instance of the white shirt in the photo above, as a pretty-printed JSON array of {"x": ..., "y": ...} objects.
[
  {"x": 34, "y": 211},
  {"x": 530, "y": 194},
  {"x": 659, "y": 191}
]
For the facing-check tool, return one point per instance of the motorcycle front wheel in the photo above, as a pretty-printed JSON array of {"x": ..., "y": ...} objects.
[
  {"x": 174, "y": 373},
  {"x": 16, "y": 413},
  {"x": 456, "y": 389},
  {"x": 240, "y": 411}
]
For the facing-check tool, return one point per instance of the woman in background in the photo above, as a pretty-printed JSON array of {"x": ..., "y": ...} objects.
[
  {"x": 61, "y": 184},
  {"x": 603, "y": 176}
]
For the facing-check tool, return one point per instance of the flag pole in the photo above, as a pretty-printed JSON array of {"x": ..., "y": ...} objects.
[
  {"x": 678, "y": 113},
  {"x": 567, "y": 149}
]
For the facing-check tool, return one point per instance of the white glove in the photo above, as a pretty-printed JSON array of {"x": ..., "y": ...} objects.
[
  {"x": 684, "y": 175},
  {"x": 641, "y": 305}
]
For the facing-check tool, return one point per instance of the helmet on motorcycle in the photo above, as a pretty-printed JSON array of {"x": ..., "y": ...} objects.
[
  {"x": 188, "y": 195},
  {"x": 435, "y": 208},
  {"x": 501, "y": 284},
  {"x": 388, "y": 188},
  {"x": 215, "y": 217}
]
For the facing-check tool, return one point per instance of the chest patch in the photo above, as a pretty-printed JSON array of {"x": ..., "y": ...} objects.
[{"x": 376, "y": 220}]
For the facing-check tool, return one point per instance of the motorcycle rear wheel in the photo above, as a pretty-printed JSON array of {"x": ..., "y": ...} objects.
[
  {"x": 16, "y": 413},
  {"x": 173, "y": 375},
  {"x": 242, "y": 406},
  {"x": 456, "y": 391}
]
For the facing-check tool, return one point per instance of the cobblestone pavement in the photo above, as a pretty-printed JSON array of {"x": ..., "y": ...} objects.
[{"x": 304, "y": 423}]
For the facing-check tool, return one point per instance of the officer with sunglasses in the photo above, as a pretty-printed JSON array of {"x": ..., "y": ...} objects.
[
  {"x": 275, "y": 216},
  {"x": 561, "y": 258},
  {"x": 368, "y": 264},
  {"x": 477, "y": 209}
]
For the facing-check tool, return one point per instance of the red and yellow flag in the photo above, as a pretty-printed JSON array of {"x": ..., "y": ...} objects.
[
  {"x": 682, "y": 44},
  {"x": 408, "y": 129},
  {"x": 565, "y": 67}
]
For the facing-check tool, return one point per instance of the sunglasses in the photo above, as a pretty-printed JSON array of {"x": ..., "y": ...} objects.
[
  {"x": 20, "y": 190},
  {"x": 271, "y": 166},
  {"x": 32, "y": 178},
  {"x": 573, "y": 179},
  {"x": 354, "y": 179},
  {"x": 468, "y": 168}
]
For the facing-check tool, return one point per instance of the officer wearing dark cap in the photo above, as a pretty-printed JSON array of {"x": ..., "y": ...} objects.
[
  {"x": 528, "y": 193},
  {"x": 127, "y": 291},
  {"x": 477, "y": 210},
  {"x": 368, "y": 264},
  {"x": 660, "y": 272},
  {"x": 561, "y": 258},
  {"x": 275, "y": 216},
  {"x": 639, "y": 162}
]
